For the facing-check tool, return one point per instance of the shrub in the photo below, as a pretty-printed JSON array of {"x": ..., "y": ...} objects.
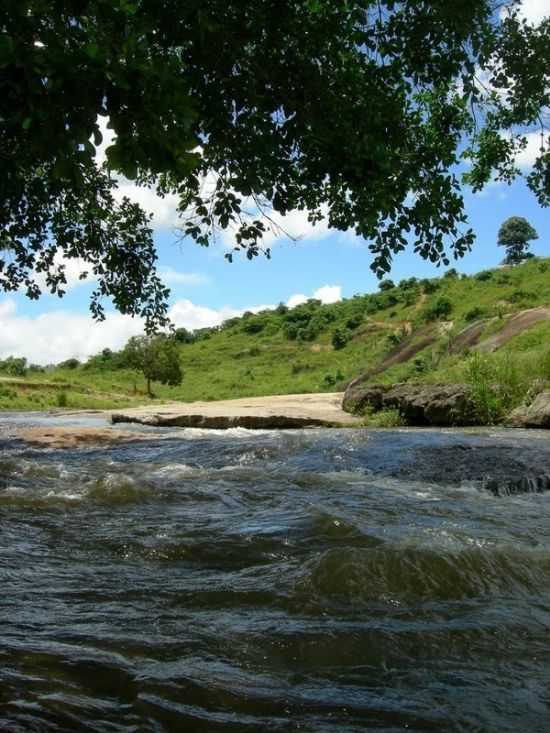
[
  {"x": 253, "y": 326},
  {"x": 183, "y": 336},
  {"x": 329, "y": 380},
  {"x": 474, "y": 313},
  {"x": 69, "y": 364},
  {"x": 340, "y": 338},
  {"x": 519, "y": 296},
  {"x": 408, "y": 284},
  {"x": 291, "y": 331},
  {"x": 354, "y": 322},
  {"x": 441, "y": 308},
  {"x": 385, "y": 285},
  {"x": 62, "y": 400},
  {"x": 452, "y": 273},
  {"x": 484, "y": 275},
  {"x": 14, "y": 366},
  {"x": 429, "y": 286}
]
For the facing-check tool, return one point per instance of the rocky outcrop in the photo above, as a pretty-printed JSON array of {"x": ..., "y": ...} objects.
[
  {"x": 535, "y": 415},
  {"x": 276, "y": 412},
  {"x": 418, "y": 404},
  {"x": 223, "y": 422}
]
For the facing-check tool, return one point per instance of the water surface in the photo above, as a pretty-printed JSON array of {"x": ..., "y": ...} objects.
[{"x": 269, "y": 581}]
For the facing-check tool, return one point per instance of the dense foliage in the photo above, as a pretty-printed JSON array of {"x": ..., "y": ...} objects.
[{"x": 358, "y": 111}]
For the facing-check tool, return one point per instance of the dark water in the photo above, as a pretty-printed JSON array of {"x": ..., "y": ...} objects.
[{"x": 270, "y": 581}]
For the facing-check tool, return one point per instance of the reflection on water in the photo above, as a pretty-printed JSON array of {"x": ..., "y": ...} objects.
[{"x": 270, "y": 581}]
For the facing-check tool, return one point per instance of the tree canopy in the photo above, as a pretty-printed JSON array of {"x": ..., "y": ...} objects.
[
  {"x": 156, "y": 357},
  {"x": 515, "y": 234},
  {"x": 357, "y": 111}
]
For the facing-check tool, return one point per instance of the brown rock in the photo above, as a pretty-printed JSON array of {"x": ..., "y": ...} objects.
[
  {"x": 535, "y": 415},
  {"x": 418, "y": 404}
]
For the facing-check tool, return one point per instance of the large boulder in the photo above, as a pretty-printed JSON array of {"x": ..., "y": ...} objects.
[
  {"x": 535, "y": 415},
  {"x": 418, "y": 404}
]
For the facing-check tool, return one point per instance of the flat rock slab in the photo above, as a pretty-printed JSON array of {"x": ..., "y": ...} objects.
[
  {"x": 275, "y": 412},
  {"x": 77, "y": 436}
]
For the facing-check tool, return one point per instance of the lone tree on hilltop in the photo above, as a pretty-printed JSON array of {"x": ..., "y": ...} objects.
[
  {"x": 242, "y": 109},
  {"x": 156, "y": 357},
  {"x": 515, "y": 234}
]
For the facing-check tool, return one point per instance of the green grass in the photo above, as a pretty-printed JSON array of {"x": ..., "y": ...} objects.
[{"x": 253, "y": 355}]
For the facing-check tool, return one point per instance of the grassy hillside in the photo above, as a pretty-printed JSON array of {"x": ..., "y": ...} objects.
[{"x": 428, "y": 330}]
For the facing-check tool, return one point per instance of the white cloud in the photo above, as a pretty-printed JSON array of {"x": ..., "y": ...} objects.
[
  {"x": 326, "y": 294},
  {"x": 191, "y": 316},
  {"x": 174, "y": 277},
  {"x": 58, "y": 335},
  {"x": 297, "y": 299},
  {"x": 534, "y": 11},
  {"x": 527, "y": 157}
]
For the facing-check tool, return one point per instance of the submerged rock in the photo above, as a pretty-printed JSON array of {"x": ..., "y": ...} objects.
[
  {"x": 503, "y": 470},
  {"x": 418, "y": 404}
]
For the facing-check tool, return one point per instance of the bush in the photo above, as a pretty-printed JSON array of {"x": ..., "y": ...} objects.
[
  {"x": 441, "y": 308},
  {"x": 429, "y": 286},
  {"x": 62, "y": 400},
  {"x": 253, "y": 326},
  {"x": 340, "y": 338},
  {"x": 69, "y": 364},
  {"x": 519, "y": 296},
  {"x": 484, "y": 275},
  {"x": 291, "y": 331},
  {"x": 474, "y": 313},
  {"x": 330, "y": 380},
  {"x": 497, "y": 386},
  {"x": 452, "y": 273},
  {"x": 183, "y": 336},
  {"x": 354, "y": 322},
  {"x": 408, "y": 284},
  {"x": 385, "y": 285},
  {"x": 14, "y": 366}
]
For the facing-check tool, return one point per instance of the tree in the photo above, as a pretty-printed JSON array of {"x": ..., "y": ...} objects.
[
  {"x": 340, "y": 109},
  {"x": 515, "y": 234},
  {"x": 15, "y": 366},
  {"x": 157, "y": 357},
  {"x": 385, "y": 285}
]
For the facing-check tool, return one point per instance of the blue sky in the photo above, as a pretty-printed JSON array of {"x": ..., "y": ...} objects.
[{"x": 206, "y": 288}]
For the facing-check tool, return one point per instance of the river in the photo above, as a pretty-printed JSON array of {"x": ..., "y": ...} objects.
[{"x": 316, "y": 580}]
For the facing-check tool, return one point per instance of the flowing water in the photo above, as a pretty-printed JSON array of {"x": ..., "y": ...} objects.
[{"x": 271, "y": 581}]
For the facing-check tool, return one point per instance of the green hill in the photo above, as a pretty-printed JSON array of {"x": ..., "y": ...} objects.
[{"x": 454, "y": 328}]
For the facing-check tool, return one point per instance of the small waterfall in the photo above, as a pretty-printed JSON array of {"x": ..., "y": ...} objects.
[{"x": 523, "y": 485}]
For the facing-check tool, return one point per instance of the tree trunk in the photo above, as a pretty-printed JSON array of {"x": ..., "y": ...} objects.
[{"x": 149, "y": 387}]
